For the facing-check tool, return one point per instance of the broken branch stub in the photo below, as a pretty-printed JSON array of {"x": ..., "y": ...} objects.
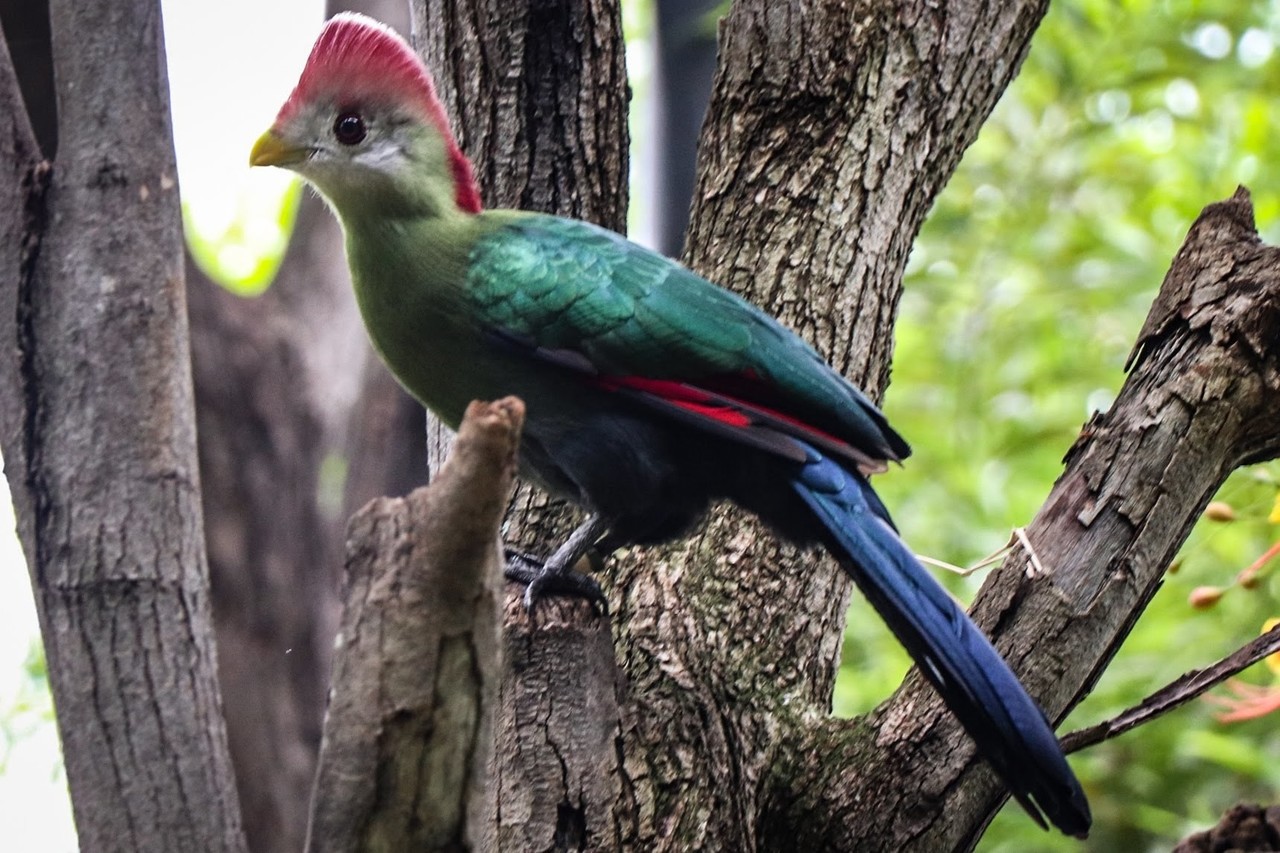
[{"x": 408, "y": 734}]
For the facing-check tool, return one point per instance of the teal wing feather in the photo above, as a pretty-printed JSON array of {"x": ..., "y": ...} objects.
[{"x": 568, "y": 286}]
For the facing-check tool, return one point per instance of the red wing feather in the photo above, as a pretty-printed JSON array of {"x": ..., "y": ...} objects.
[
  {"x": 740, "y": 420},
  {"x": 726, "y": 414}
]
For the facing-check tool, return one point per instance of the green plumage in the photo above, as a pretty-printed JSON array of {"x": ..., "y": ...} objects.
[{"x": 433, "y": 292}]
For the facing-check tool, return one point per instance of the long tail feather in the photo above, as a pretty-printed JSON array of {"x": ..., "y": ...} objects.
[{"x": 1010, "y": 730}]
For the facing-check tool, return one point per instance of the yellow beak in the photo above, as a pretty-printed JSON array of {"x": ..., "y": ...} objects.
[{"x": 271, "y": 150}]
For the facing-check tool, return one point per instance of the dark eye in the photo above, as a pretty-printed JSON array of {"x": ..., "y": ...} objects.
[{"x": 349, "y": 129}]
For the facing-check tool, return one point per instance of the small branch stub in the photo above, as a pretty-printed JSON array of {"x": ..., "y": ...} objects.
[
  {"x": 416, "y": 672},
  {"x": 1176, "y": 694}
]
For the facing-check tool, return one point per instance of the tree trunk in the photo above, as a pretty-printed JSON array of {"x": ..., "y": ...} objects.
[
  {"x": 99, "y": 440},
  {"x": 273, "y": 553}
]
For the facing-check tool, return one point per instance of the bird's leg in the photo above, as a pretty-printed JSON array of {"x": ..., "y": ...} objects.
[{"x": 556, "y": 574}]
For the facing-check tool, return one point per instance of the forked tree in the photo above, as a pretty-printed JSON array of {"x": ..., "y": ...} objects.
[{"x": 696, "y": 715}]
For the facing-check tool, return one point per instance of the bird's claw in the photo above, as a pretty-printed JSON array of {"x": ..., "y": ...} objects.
[
  {"x": 540, "y": 582},
  {"x": 519, "y": 566},
  {"x": 565, "y": 583}
]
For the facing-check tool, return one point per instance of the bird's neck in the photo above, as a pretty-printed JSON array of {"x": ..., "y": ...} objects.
[
  {"x": 397, "y": 261},
  {"x": 377, "y": 198},
  {"x": 409, "y": 277}
]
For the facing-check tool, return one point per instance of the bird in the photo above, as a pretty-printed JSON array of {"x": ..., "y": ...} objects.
[{"x": 650, "y": 392}]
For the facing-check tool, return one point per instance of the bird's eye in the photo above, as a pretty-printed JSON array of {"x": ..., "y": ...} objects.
[{"x": 349, "y": 129}]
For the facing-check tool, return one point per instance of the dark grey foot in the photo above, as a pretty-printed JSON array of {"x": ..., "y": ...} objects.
[{"x": 540, "y": 583}]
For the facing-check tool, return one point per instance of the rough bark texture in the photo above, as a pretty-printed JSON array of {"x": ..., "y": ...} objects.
[
  {"x": 1245, "y": 828},
  {"x": 409, "y": 729},
  {"x": 1203, "y": 398},
  {"x": 537, "y": 92},
  {"x": 99, "y": 439},
  {"x": 557, "y": 757},
  {"x": 1188, "y": 687}
]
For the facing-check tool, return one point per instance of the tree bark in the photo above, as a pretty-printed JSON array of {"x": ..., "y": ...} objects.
[
  {"x": 99, "y": 438},
  {"x": 537, "y": 92},
  {"x": 22, "y": 222},
  {"x": 409, "y": 731}
]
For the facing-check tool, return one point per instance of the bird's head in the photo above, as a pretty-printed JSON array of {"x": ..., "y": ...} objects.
[{"x": 364, "y": 126}]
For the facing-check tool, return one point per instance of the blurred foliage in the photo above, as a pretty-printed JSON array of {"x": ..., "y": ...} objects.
[
  {"x": 26, "y": 706},
  {"x": 1024, "y": 294},
  {"x": 240, "y": 240}
]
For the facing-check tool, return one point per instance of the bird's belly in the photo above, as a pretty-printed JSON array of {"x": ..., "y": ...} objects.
[{"x": 654, "y": 477}]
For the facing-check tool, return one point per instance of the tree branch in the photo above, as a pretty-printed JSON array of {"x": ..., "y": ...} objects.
[
  {"x": 408, "y": 734},
  {"x": 1175, "y": 694},
  {"x": 1203, "y": 397}
]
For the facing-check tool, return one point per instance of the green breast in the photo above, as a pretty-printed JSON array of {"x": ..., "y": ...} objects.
[{"x": 408, "y": 277}]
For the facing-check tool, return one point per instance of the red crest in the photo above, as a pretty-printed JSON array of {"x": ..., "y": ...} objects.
[{"x": 357, "y": 60}]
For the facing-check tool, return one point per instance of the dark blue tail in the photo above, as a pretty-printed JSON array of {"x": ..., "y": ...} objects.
[{"x": 1009, "y": 728}]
